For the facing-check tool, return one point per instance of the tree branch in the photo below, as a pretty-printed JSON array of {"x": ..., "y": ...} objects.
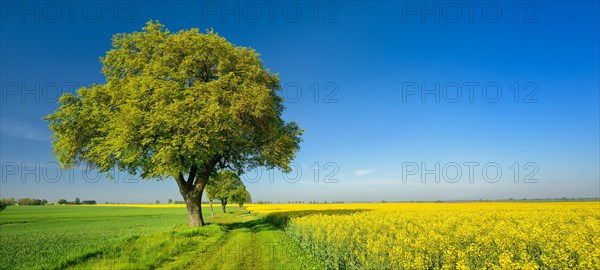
[
  {"x": 181, "y": 182},
  {"x": 223, "y": 164},
  {"x": 202, "y": 178},
  {"x": 192, "y": 175}
]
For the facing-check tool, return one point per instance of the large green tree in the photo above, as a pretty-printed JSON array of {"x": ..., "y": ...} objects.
[{"x": 181, "y": 105}]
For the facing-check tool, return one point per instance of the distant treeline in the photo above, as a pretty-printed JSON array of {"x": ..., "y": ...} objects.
[
  {"x": 563, "y": 199},
  {"x": 33, "y": 201},
  {"x": 313, "y": 202},
  {"x": 23, "y": 201},
  {"x": 75, "y": 202}
]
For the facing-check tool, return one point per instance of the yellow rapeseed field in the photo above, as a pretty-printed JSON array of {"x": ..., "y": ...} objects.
[{"x": 446, "y": 235}]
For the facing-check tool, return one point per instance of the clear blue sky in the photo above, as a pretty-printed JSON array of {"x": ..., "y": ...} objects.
[{"x": 374, "y": 124}]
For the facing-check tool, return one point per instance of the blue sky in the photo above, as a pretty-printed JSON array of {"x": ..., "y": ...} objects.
[{"x": 361, "y": 78}]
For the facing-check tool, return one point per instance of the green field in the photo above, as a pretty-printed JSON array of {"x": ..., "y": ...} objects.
[{"x": 84, "y": 237}]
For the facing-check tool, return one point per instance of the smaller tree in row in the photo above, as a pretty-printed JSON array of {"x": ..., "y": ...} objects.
[
  {"x": 77, "y": 201},
  {"x": 226, "y": 186},
  {"x": 241, "y": 196}
]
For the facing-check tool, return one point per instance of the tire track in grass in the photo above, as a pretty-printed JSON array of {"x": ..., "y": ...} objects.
[
  {"x": 237, "y": 241},
  {"x": 255, "y": 244}
]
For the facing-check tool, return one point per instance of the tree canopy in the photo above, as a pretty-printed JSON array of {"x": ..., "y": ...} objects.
[{"x": 175, "y": 105}]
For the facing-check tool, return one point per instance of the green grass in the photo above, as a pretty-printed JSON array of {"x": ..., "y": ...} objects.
[{"x": 82, "y": 237}]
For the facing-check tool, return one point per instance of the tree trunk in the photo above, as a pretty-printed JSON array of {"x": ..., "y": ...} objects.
[
  {"x": 212, "y": 213},
  {"x": 192, "y": 188},
  {"x": 224, "y": 205},
  {"x": 194, "y": 208}
]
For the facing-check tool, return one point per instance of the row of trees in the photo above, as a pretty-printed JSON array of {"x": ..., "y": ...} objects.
[
  {"x": 77, "y": 201},
  {"x": 264, "y": 202},
  {"x": 226, "y": 186},
  {"x": 312, "y": 202},
  {"x": 33, "y": 201},
  {"x": 23, "y": 201}
]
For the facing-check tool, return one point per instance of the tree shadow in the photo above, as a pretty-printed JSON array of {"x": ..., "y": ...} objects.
[
  {"x": 279, "y": 220},
  {"x": 256, "y": 225}
]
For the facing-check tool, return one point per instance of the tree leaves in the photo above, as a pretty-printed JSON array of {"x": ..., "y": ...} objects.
[{"x": 172, "y": 101}]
